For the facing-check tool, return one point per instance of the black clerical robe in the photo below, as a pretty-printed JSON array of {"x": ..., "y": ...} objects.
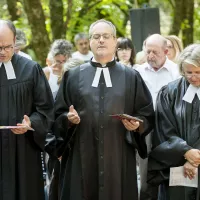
[
  {"x": 20, "y": 155},
  {"x": 177, "y": 130},
  {"x": 101, "y": 163}
]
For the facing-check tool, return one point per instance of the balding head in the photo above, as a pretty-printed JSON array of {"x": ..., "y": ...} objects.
[
  {"x": 156, "y": 50},
  {"x": 157, "y": 39},
  {"x": 8, "y": 24},
  {"x": 7, "y": 40}
]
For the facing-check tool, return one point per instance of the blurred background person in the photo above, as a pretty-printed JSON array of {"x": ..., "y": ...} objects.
[
  {"x": 125, "y": 52},
  {"x": 59, "y": 53},
  {"x": 174, "y": 46},
  {"x": 21, "y": 43},
  {"x": 72, "y": 62},
  {"x": 81, "y": 40},
  {"x": 140, "y": 58}
]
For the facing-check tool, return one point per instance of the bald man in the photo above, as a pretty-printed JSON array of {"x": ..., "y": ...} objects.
[
  {"x": 26, "y": 103},
  {"x": 156, "y": 72}
]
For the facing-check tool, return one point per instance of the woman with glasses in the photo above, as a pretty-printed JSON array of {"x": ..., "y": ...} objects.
[
  {"x": 174, "y": 46},
  {"x": 58, "y": 55},
  {"x": 176, "y": 140},
  {"x": 125, "y": 53}
]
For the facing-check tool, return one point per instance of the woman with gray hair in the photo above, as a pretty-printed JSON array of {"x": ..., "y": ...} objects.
[
  {"x": 58, "y": 55},
  {"x": 176, "y": 140}
]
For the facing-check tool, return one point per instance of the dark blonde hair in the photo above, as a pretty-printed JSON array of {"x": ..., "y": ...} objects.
[{"x": 177, "y": 44}]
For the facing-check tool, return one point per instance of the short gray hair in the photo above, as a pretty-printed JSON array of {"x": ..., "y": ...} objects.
[
  {"x": 20, "y": 39},
  {"x": 103, "y": 21},
  {"x": 80, "y": 36},
  {"x": 62, "y": 47},
  {"x": 190, "y": 55}
]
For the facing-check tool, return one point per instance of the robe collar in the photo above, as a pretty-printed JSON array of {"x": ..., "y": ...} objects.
[
  {"x": 106, "y": 73},
  {"x": 190, "y": 93},
  {"x": 10, "y": 72}
]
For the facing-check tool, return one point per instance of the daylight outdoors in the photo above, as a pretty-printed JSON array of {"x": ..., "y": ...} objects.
[{"x": 43, "y": 21}]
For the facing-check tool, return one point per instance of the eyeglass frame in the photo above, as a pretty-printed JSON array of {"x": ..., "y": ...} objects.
[
  {"x": 4, "y": 48},
  {"x": 191, "y": 75}
]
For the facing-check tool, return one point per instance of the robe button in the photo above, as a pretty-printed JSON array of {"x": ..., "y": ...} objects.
[
  {"x": 102, "y": 97},
  {"x": 101, "y": 126}
]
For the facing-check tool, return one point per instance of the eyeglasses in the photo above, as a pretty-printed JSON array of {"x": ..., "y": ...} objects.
[
  {"x": 120, "y": 49},
  {"x": 6, "y": 48},
  {"x": 188, "y": 75},
  {"x": 58, "y": 62},
  {"x": 106, "y": 36}
]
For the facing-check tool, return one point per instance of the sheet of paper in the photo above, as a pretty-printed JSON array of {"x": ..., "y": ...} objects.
[
  {"x": 11, "y": 127},
  {"x": 177, "y": 178}
]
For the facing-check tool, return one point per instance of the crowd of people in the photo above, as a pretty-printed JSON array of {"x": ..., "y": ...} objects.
[{"x": 74, "y": 118}]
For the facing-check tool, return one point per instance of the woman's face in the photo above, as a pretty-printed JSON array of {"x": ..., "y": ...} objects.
[
  {"x": 192, "y": 74},
  {"x": 124, "y": 55},
  {"x": 171, "y": 50}
]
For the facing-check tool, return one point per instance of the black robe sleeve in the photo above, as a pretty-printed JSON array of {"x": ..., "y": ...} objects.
[
  {"x": 168, "y": 146},
  {"x": 43, "y": 116},
  {"x": 62, "y": 128},
  {"x": 142, "y": 107}
]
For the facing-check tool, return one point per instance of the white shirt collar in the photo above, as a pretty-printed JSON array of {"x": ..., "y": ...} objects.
[
  {"x": 165, "y": 66},
  {"x": 10, "y": 72},
  {"x": 106, "y": 74},
  {"x": 190, "y": 93}
]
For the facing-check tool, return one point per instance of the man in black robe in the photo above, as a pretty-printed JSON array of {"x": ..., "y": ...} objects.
[
  {"x": 26, "y": 101},
  {"x": 176, "y": 139},
  {"x": 98, "y": 158}
]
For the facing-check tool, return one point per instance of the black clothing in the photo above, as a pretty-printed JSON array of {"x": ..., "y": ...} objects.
[
  {"x": 20, "y": 155},
  {"x": 177, "y": 131},
  {"x": 102, "y": 163}
]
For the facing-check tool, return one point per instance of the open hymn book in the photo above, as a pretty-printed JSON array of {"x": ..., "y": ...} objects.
[{"x": 177, "y": 178}]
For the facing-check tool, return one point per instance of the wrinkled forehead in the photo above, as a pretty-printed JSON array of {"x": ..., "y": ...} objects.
[
  {"x": 6, "y": 35},
  {"x": 102, "y": 27}
]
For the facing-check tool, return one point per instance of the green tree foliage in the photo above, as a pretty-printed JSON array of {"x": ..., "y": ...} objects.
[{"x": 43, "y": 21}]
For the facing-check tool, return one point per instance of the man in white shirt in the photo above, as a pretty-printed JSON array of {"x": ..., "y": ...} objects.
[
  {"x": 156, "y": 72},
  {"x": 81, "y": 41}
]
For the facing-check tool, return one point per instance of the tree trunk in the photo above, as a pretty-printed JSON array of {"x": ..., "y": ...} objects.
[
  {"x": 178, "y": 17},
  {"x": 183, "y": 20},
  {"x": 69, "y": 14},
  {"x": 40, "y": 39},
  {"x": 188, "y": 20},
  {"x": 12, "y": 9},
  {"x": 56, "y": 16}
]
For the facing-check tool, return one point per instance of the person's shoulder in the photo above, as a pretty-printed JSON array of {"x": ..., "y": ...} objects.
[
  {"x": 141, "y": 68},
  {"x": 21, "y": 53},
  {"x": 172, "y": 87},
  {"x": 75, "y": 54},
  {"x": 47, "y": 71},
  {"x": 23, "y": 61}
]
